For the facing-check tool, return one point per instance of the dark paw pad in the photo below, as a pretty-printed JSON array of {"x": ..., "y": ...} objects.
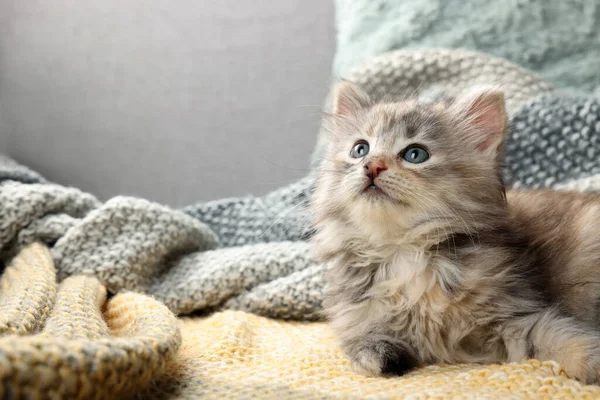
[{"x": 397, "y": 360}]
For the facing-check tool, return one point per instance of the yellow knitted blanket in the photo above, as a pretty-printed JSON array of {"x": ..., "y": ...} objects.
[
  {"x": 66, "y": 341},
  {"x": 235, "y": 355},
  {"x": 69, "y": 342}
]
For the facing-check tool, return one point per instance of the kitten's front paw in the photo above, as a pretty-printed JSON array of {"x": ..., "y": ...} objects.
[
  {"x": 367, "y": 362},
  {"x": 585, "y": 368},
  {"x": 579, "y": 356},
  {"x": 374, "y": 358}
]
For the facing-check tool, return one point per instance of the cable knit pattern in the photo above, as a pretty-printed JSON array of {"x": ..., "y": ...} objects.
[
  {"x": 29, "y": 306},
  {"x": 59, "y": 344},
  {"x": 557, "y": 39}
]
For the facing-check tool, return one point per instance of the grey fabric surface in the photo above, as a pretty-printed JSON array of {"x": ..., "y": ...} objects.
[
  {"x": 11, "y": 170},
  {"x": 251, "y": 253},
  {"x": 560, "y": 40},
  {"x": 555, "y": 142},
  {"x": 171, "y": 101}
]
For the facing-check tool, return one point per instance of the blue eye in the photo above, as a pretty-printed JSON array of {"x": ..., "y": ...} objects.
[
  {"x": 360, "y": 150},
  {"x": 415, "y": 154}
]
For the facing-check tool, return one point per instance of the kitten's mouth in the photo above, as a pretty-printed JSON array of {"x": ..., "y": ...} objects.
[
  {"x": 375, "y": 193},
  {"x": 374, "y": 190}
]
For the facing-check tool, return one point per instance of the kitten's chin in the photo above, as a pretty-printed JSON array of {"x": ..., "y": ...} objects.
[{"x": 378, "y": 217}]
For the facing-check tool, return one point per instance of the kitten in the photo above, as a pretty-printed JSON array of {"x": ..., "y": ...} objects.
[{"x": 430, "y": 260}]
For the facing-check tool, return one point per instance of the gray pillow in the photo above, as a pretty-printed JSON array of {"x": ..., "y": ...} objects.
[{"x": 560, "y": 40}]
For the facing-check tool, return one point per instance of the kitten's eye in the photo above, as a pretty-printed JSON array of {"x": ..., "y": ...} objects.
[
  {"x": 360, "y": 150},
  {"x": 415, "y": 154}
]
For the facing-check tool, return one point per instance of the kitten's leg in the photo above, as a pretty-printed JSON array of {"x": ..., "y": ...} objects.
[
  {"x": 377, "y": 354},
  {"x": 548, "y": 335},
  {"x": 363, "y": 324},
  {"x": 362, "y": 328}
]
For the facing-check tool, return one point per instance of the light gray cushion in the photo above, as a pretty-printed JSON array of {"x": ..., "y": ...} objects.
[{"x": 560, "y": 40}]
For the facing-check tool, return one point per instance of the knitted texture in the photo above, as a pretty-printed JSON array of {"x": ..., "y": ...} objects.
[
  {"x": 69, "y": 343},
  {"x": 234, "y": 355},
  {"x": 554, "y": 141},
  {"x": 557, "y": 39},
  {"x": 432, "y": 72},
  {"x": 249, "y": 253}
]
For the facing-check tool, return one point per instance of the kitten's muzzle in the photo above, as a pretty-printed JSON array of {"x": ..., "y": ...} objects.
[{"x": 374, "y": 167}]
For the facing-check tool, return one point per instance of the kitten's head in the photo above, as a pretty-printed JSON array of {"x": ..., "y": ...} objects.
[{"x": 397, "y": 169}]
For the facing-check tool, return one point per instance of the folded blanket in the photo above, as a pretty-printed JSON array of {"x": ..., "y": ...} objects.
[
  {"x": 66, "y": 341},
  {"x": 250, "y": 253}
]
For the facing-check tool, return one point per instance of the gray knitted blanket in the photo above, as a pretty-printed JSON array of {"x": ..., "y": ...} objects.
[{"x": 251, "y": 253}]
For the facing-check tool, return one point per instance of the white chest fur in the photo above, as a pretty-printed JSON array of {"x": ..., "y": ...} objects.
[{"x": 406, "y": 278}]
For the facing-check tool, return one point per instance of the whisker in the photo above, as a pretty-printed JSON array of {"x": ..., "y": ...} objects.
[
  {"x": 280, "y": 217},
  {"x": 281, "y": 166}
]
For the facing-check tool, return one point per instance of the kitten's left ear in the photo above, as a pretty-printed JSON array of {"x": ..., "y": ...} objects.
[{"x": 483, "y": 109}]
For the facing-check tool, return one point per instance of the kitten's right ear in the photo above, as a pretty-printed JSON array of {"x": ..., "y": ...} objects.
[
  {"x": 483, "y": 109},
  {"x": 348, "y": 99}
]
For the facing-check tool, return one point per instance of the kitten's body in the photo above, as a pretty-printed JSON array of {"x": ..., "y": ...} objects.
[
  {"x": 434, "y": 262},
  {"x": 563, "y": 230}
]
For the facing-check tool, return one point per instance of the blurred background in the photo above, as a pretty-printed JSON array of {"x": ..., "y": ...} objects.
[{"x": 177, "y": 104}]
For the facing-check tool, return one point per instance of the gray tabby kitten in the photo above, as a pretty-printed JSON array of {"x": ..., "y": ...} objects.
[{"x": 431, "y": 260}]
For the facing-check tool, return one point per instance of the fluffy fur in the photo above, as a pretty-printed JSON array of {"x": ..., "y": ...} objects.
[{"x": 435, "y": 262}]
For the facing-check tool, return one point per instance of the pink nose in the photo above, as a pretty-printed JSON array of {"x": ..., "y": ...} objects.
[{"x": 374, "y": 168}]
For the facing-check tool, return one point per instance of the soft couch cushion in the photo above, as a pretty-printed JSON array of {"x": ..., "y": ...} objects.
[{"x": 560, "y": 40}]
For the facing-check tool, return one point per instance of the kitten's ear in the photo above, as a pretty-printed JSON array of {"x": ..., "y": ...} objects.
[
  {"x": 348, "y": 99},
  {"x": 483, "y": 110}
]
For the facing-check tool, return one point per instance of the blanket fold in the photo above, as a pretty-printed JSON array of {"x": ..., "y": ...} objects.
[{"x": 69, "y": 342}]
